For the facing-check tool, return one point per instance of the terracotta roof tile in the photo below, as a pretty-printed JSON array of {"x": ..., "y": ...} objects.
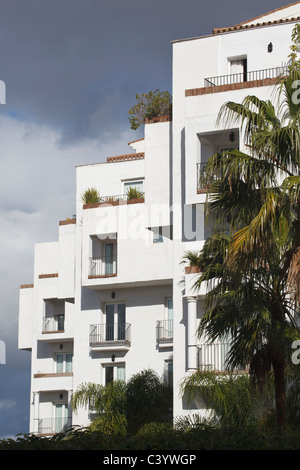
[
  {"x": 128, "y": 157},
  {"x": 242, "y": 26}
]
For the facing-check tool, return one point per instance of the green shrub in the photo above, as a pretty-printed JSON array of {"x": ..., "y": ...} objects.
[
  {"x": 134, "y": 193},
  {"x": 91, "y": 196},
  {"x": 162, "y": 437}
]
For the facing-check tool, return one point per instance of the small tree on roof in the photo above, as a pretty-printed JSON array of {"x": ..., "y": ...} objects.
[{"x": 149, "y": 105}]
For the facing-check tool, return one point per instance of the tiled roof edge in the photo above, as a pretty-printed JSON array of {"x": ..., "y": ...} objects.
[{"x": 242, "y": 26}]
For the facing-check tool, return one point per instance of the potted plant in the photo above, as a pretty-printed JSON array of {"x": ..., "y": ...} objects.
[
  {"x": 134, "y": 193},
  {"x": 91, "y": 196},
  {"x": 192, "y": 259}
]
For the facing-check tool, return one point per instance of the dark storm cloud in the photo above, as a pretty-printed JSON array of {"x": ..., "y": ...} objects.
[{"x": 77, "y": 64}]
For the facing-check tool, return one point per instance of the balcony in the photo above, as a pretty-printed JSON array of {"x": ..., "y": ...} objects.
[
  {"x": 164, "y": 332},
  {"x": 201, "y": 178},
  {"x": 49, "y": 426},
  {"x": 213, "y": 356},
  {"x": 55, "y": 324},
  {"x": 237, "y": 81},
  {"x": 110, "y": 336},
  {"x": 255, "y": 75},
  {"x": 115, "y": 200},
  {"x": 57, "y": 327},
  {"x": 103, "y": 266}
]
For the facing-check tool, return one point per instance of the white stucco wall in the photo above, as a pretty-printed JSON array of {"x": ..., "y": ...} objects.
[{"x": 25, "y": 324}]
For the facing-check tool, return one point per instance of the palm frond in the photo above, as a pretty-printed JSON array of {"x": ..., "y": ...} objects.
[
  {"x": 256, "y": 240},
  {"x": 293, "y": 280},
  {"x": 230, "y": 398}
]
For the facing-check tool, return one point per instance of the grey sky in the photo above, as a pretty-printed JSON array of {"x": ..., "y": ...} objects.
[{"x": 72, "y": 69}]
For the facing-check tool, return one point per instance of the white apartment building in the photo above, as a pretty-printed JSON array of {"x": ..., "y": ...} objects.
[{"x": 111, "y": 297}]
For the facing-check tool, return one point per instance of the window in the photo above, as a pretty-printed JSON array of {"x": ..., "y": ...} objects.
[
  {"x": 157, "y": 236},
  {"x": 136, "y": 184},
  {"x": 238, "y": 68},
  {"x": 63, "y": 362},
  {"x": 115, "y": 322},
  {"x": 60, "y": 322},
  {"x": 61, "y": 417},
  {"x": 170, "y": 372},
  {"x": 109, "y": 258},
  {"x": 114, "y": 373},
  {"x": 169, "y": 317},
  {"x": 103, "y": 261},
  {"x": 54, "y": 319}
]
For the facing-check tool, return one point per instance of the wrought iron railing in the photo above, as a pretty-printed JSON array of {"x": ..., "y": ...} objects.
[
  {"x": 164, "y": 331},
  {"x": 201, "y": 176},
  {"x": 203, "y": 180},
  {"x": 119, "y": 198},
  {"x": 245, "y": 77},
  {"x": 114, "y": 198},
  {"x": 110, "y": 333},
  {"x": 103, "y": 266},
  {"x": 53, "y": 425}
]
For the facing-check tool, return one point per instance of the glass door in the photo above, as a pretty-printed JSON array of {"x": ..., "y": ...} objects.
[
  {"x": 60, "y": 322},
  {"x": 121, "y": 321},
  {"x": 109, "y": 258},
  {"x": 121, "y": 373},
  {"x": 110, "y": 313},
  {"x": 115, "y": 322},
  {"x": 170, "y": 318},
  {"x": 59, "y": 363},
  {"x": 61, "y": 417}
]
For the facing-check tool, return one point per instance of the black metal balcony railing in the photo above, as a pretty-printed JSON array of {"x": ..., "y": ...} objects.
[
  {"x": 114, "y": 198},
  {"x": 245, "y": 77},
  {"x": 53, "y": 425},
  {"x": 201, "y": 176},
  {"x": 119, "y": 198},
  {"x": 106, "y": 334},
  {"x": 103, "y": 266}
]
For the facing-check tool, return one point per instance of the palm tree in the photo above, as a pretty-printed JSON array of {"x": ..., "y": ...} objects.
[
  {"x": 260, "y": 189},
  {"x": 244, "y": 306},
  {"x": 259, "y": 192},
  {"x": 123, "y": 408},
  {"x": 149, "y": 399},
  {"x": 108, "y": 402},
  {"x": 231, "y": 398}
]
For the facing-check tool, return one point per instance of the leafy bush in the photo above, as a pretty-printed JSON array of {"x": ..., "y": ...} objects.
[
  {"x": 205, "y": 437},
  {"x": 134, "y": 193},
  {"x": 91, "y": 196}
]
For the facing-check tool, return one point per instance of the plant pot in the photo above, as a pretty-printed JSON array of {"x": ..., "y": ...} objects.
[{"x": 192, "y": 269}]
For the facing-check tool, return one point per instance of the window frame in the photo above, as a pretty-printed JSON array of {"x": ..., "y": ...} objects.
[
  {"x": 114, "y": 368},
  {"x": 64, "y": 364}
]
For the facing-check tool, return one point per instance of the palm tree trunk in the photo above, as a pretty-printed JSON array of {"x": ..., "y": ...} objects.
[{"x": 280, "y": 390}]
